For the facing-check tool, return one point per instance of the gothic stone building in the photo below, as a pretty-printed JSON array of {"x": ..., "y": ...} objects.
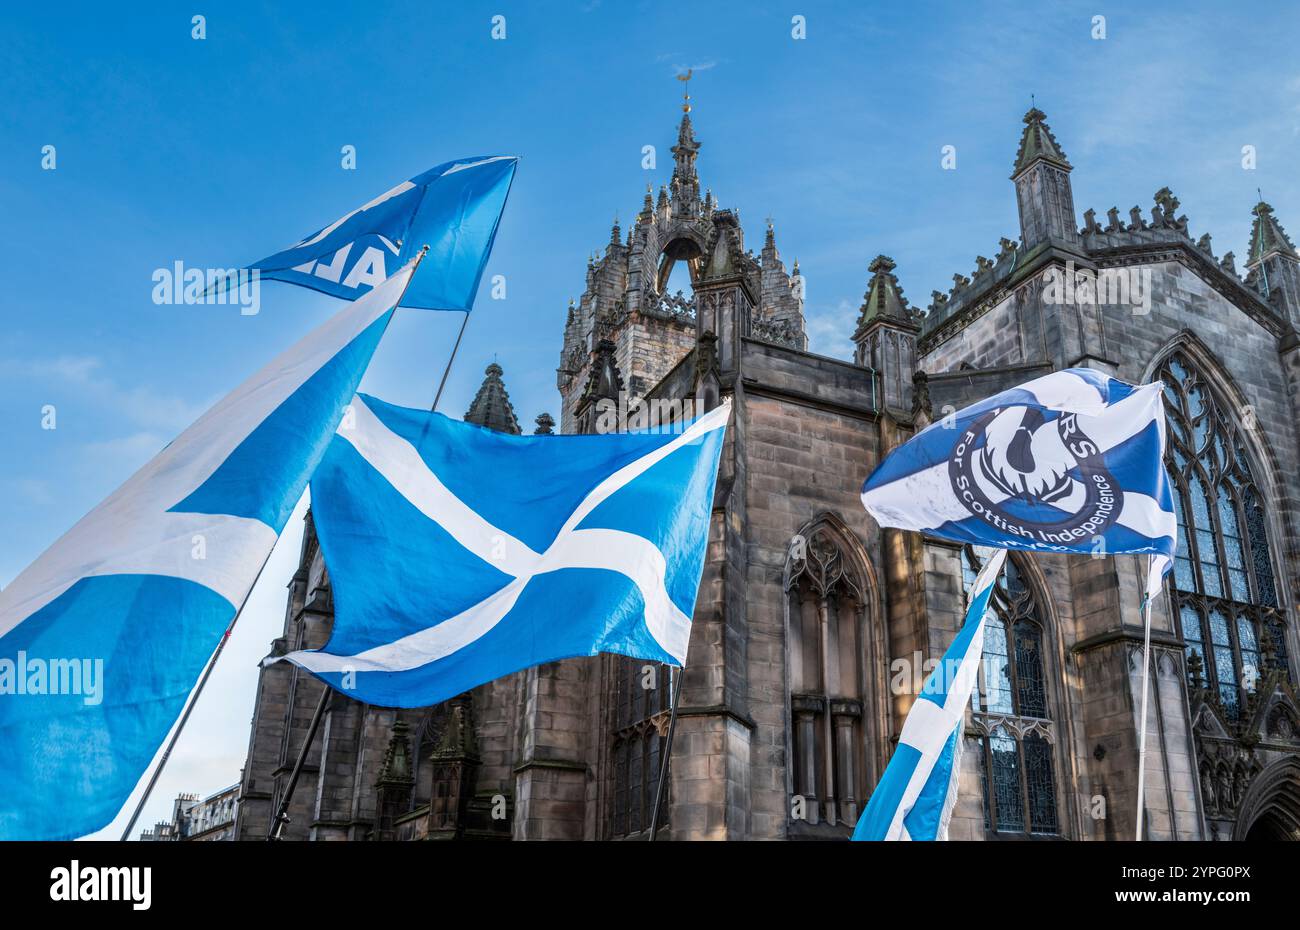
[{"x": 812, "y": 621}]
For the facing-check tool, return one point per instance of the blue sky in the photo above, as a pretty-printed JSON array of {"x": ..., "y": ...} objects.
[{"x": 224, "y": 150}]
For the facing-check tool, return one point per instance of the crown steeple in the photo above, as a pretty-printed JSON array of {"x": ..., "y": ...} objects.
[{"x": 491, "y": 406}]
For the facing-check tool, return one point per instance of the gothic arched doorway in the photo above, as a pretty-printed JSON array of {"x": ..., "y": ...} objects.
[{"x": 1270, "y": 809}]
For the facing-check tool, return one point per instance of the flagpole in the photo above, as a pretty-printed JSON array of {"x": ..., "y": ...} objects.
[
  {"x": 676, "y": 699},
  {"x": 446, "y": 371},
  {"x": 194, "y": 699},
  {"x": 1142, "y": 725}
]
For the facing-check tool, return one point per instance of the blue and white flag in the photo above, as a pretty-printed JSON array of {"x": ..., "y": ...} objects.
[
  {"x": 1070, "y": 462},
  {"x": 453, "y": 208},
  {"x": 458, "y": 554},
  {"x": 915, "y": 796},
  {"x": 103, "y": 637}
]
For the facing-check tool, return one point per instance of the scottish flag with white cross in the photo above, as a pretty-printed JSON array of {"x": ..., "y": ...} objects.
[{"x": 458, "y": 554}]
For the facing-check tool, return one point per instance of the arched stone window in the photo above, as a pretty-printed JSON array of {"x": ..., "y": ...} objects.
[
  {"x": 1224, "y": 592},
  {"x": 834, "y": 662},
  {"x": 642, "y": 701},
  {"x": 1011, "y": 709}
]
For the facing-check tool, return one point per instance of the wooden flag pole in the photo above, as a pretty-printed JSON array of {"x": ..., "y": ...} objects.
[{"x": 1142, "y": 717}]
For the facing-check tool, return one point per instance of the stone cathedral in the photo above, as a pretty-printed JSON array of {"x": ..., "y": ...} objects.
[{"x": 812, "y": 622}]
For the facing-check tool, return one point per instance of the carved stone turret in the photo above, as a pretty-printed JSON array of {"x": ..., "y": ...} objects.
[
  {"x": 1043, "y": 192},
  {"x": 886, "y": 337}
]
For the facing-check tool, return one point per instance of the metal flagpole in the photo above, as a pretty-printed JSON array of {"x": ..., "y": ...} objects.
[
  {"x": 194, "y": 699},
  {"x": 1146, "y": 666},
  {"x": 667, "y": 749},
  {"x": 678, "y": 675},
  {"x": 282, "y": 812},
  {"x": 446, "y": 371}
]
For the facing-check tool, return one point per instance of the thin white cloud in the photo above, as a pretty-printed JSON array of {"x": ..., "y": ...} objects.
[{"x": 141, "y": 406}]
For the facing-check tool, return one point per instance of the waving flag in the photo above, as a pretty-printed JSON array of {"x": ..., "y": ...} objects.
[
  {"x": 105, "y": 634},
  {"x": 458, "y": 554},
  {"x": 915, "y": 796},
  {"x": 1070, "y": 462},
  {"x": 453, "y": 208}
]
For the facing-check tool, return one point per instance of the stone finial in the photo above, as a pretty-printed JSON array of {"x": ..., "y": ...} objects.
[
  {"x": 1135, "y": 219},
  {"x": 1113, "y": 224},
  {"x": 545, "y": 425},
  {"x": 982, "y": 265},
  {"x": 1204, "y": 244},
  {"x": 396, "y": 768},
  {"x": 1038, "y": 144},
  {"x": 1229, "y": 264},
  {"x": 1167, "y": 201},
  {"x": 605, "y": 380},
  {"x": 1090, "y": 226},
  {"x": 1267, "y": 236},
  {"x": 615, "y": 233}
]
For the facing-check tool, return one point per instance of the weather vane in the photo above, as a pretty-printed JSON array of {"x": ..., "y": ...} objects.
[{"x": 686, "y": 88}]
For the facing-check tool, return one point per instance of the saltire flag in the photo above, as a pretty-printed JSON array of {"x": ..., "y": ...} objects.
[
  {"x": 103, "y": 637},
  {"x": 916, "y": 794},
  {"x": 1070, "y": 462},
  {"x": 458, "y": 554},
  {"x": 454, "y": 209}
]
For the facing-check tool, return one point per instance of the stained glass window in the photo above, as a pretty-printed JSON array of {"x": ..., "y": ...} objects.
[
  {"x": 1011, "y": 707},
  {"x": 1223, "y": 586}
]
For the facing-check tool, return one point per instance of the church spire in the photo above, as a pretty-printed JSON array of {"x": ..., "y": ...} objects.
[
  {"x": 685, "y": 182},
  {"x": 491, "y": 406}
]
